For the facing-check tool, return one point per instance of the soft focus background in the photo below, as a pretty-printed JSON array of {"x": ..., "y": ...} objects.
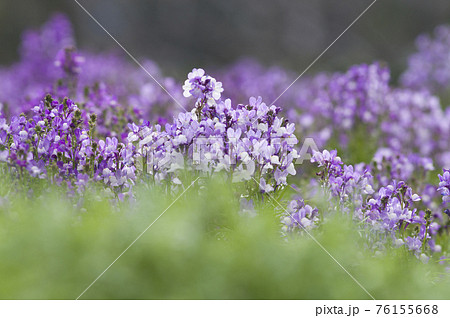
[
  {"x": 55, "y": 241},
  {"x": 200, "y": 249},
  {"x": 180, "y": 34}
]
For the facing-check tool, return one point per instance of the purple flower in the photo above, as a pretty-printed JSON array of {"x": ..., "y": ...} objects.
[
  {"x": 413, "y": 243},
  {"x": 429, "y": 67},
  {"x": 299, "y": 216},
  {"x": 444, "y": 186},
  {"x": 264, "y": 187},
  {"x": 69, "y": 60},
  {"x": 203, "y": 87}
]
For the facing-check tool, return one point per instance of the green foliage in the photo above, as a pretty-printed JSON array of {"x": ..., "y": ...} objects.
[{"x": 201, "y": 248}]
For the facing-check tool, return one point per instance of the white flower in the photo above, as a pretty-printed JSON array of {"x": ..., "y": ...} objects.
[
  {"x": 398, "y": 242},
  {"x": 291, "y": 170},
  {"x": 216, "y": 88},
  {"x": 275, "y": 160},
  {"x": 245, "y": 173},
  {"x": 23, "y": 134},
  {"x": 4, "y": 155},
  {"x": 187, "y": 87},
  {"x": 264, "y": 187},
  {"x": 424, "y": 258}
]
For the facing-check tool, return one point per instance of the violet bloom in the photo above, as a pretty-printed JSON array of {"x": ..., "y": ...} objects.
[
  {"x": 416, "y": 124},
  {"x": 203, "y": 87},
  {"x": 57, "y": 137},
  {"x": 328, "y": 159},
  {"x": 444, "y": 186},
  {"x": 345, "y": 183},
  {"x": 25, "y": 83},
  {"x": 326, "y": 105},
  {"x": 240, "y": 139},
  {"x": 413, "y": 243},
  {"x": 69, "y": 61},
  {"x": 429, "y": 67},
  {"x": 392, "y": 165},
  {"x": 299, "y": 216}
]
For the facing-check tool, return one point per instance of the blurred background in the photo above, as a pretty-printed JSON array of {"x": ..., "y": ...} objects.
[{"x": 180, "y": 34}]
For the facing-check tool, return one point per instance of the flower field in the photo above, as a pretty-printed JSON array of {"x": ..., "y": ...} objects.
[{"x": 338, "y": 187}]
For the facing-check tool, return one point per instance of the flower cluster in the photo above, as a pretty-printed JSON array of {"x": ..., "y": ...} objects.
[
  {"x": 247, "y": 77},
  {"x": 299, "y": 216},
  {"x": 391, "y": 165},
  {"x": 203, "y": 87},
  {"x": 416, "y": 123},
  {"x": 392, "y": 207},
  {"x": 112, "y": 116},
  {"x": 356, "y": 106},
  {"x": 326, "y": 106},
  {"x": 387, "y": 215},
  {"x": 247, "y": 141},
  {"x": 25, "y": 83},
  {"x": 444, "y": 186},
  {"x": 79, "y": 119},
  {"x": 69, "y": 60},
  {"x": 347, "y": 183},
  {"x": 429, "y": 67},
  {"x": 56, "y": 143},
  {"x": 51, "y": 64},
  {"x": 392, "y": 215}
]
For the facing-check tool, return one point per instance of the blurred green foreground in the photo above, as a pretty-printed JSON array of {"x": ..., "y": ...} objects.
[{"x": 201, "y": 248}]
